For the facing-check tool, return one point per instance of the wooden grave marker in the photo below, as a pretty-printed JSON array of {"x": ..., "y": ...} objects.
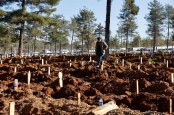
[{"x": 12, "y": 108}]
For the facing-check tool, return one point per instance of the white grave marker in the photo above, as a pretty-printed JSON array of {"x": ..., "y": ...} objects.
[
  {"x": 141, "y": 60},
  {"x": 42, "y": 61},
  {"x": 15, "y": 70},
  {"x": 79, "y": 99},
  {"x": 137, "y": 87},
  {"x": 12, "y": 108},
  {"x": 29, "y": 77},
  {"x": 172, "y": 80},
  {"x": 90, "y": 59},
  {"x": 122, "y": 62},
  {"x": 130, "y": 66},
  {"x": 138, "y": 67},
  {"x": 102, "y": 67},
  {"x": 60, "y": 79},
  {"x": 167, "y": 65},
  {"x": 170, "y": 106},
  {"x": 22, "y": 61},
  {"x": 48, "y": 70},
  {"x": 15, "y": 84}
]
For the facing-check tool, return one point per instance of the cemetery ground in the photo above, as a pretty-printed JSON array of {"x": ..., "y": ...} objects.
[{"x": 72, "y": 84}]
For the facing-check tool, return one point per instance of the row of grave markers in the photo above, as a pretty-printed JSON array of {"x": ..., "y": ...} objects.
[
  {"x": 15, "y": 84},
  {"x": 141, "y": 62},
  {"x": 137, "y": 83}
]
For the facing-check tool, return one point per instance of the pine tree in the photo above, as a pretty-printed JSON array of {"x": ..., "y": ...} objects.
[
  {"x": 127, "y": 18},
  {"x": 155, "y": 20},
  {"x": 85, "y": 28},
  {"x": 21, "y": 16},
  {"x": 168, "y": 15}
]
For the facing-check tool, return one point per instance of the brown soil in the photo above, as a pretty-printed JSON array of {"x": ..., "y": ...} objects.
[{"x": 115, "y": 82}]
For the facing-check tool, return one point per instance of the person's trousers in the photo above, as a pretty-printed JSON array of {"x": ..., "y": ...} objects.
[{"x": 99, "y": 59}]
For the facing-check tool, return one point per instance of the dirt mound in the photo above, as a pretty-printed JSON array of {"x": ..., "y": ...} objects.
[{"x": 80, "y": 75}]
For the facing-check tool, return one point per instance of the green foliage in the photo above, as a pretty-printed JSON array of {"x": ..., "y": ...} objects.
[
  {"x": 39, "y": 15},
  {"x": 136, "y": 41},
  {"x": 127, "y": 18},
  {"x": 155, "y": 18},
  {"x": 85, "y": 27},
  {"x": 99, "y": 31}
]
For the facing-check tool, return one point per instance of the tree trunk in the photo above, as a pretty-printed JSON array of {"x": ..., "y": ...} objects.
[
  {"x": 72, "y": 41},
  {"x": 60, "y": 47},
  {"x": 55, "y": 48},
  {"x": 34, "y": 44},
  {"x": 127, "y": 41},
  {"x": 154, "y": 40},
  {"x": 20, "y": 48},
  {"x": 107, "y": 26},
  {"x": 168, "y": 33}
]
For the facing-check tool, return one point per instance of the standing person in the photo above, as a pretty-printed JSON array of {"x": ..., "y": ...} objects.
[{"x": 100, "y": 48}]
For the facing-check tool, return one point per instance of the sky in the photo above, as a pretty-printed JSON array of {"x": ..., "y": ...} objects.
[{"x": 69, "y": 8}]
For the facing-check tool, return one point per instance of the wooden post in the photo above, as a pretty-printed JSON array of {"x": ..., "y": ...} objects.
[
  {"x": 15, "y": 84},
  {"x": 90, "y": 59},
  {"x": 164, "y": 60},
  {"x": 15, "y": 70},
  {"x": 130, "y": 66},
  {"x": 138, "y": 67},
  {"x": 102, "y": 67},
  {"x": 170, "y": 106},
  {"x": 48, "y": 70},
  {"x": 79, "y": 99},
  {"x": 122, "y": 62},
  {"x": 82, "y": 63},
  {"x": 12, "y": 108},
  {"x": 42, "y": 61},
  {"x": 22, "y": 61},
  {"x": 70, "y": 64},
  {"x": 167, "y": 65},
  {"x": 172, "y": 80},
  {"x": 141, "y": 60},
  {"x": 116, "y": 61},
  {"x": 29, "y": 77},
  {"x": 60, "y": 79},
  {"x": 137, "y": 87}
]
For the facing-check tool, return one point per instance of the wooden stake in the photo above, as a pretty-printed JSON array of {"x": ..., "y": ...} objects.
[
  {"x": 60, "y": 79},
  {"x": 130, "y": 66},
  {"x": 15, "y": 84},
  {"x": 22, "y": 61},
  {"x": 170, "y": 106},
  {"x": 82, "y": 63},
  {"x": 29, "y": 77},
  {"x": 122, "y": 62},
  {"x": 141, "y": 60},
  {"x": 42, "y": 61},
  {"x": 48, "y": 70},
  {"x": 12, "y": 108},
  {"x": 79, "y": 99},
  {"x": 15, "y": 70},
  {"x": 167, "y": 65},
  {"x": 137, "y": 86},
  {"x": 70, "y": 64},
  {"x": 102, "y": 67},
  {"x": 138, "y": 67},
  {"x": 90, "y": 59},
  {"x": 172, "y": 80}
]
